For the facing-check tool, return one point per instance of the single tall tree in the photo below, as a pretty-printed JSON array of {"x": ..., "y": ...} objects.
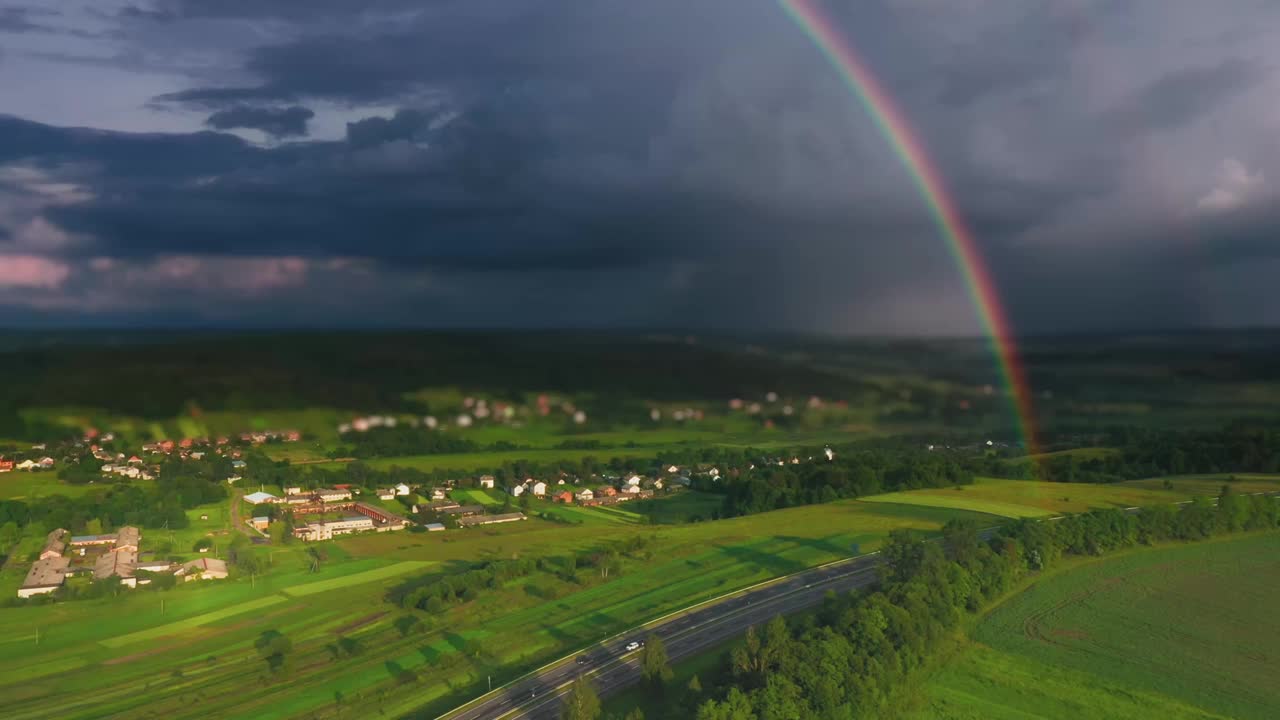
[
  {"x": 582, "y": 702},
  {"x": 654, "y": 667}
]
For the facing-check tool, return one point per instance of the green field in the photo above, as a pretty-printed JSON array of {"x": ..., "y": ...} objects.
[
  {"x": 678, "y": 507},
  {"x": 1177, "y": 632},
  {"x": 123, "y": 652},
  {"x": 1032, "y": 498},
  {"x": 116, "y": 656},
  {"x": 19, "y": 485},
  {"x": 1211, "y": 484},
  {"x": 346, "y": 581}
]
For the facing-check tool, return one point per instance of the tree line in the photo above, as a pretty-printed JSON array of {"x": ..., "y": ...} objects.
[
  {"x": 1239, "y": 447},
  {"x": 852, "y": 657},
  {"x": 852, "y": 474}
]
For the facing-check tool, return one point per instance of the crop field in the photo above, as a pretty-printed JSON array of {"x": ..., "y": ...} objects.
[
  {"x": 1031, "y": 498},
  {"x": 1176, "y": 632},
  {"x": 189, "y": 652},
  {"x": 1084, "y": 453}
]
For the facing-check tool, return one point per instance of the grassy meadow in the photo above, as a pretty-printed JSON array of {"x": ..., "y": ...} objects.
[{"x": 1175, "y": 632}]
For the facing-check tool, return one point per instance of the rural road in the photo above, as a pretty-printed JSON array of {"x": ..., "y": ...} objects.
[{"x": 612, "y": 668}]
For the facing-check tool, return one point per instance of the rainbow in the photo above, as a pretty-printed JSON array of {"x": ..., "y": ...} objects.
[{"x": 928, "y": 180}]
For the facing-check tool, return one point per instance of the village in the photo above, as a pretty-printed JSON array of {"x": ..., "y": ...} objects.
[
  {"x": 313, "y": 514},
  {"x": 111, "y": 556}
]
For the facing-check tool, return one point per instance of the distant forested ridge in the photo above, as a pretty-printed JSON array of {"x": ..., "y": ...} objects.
[
  {"x": 368, "y": 371},
  {"x": 1239, "y": 447}
]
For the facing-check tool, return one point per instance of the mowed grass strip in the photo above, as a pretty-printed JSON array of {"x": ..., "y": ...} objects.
[
  {"x": 360, "y": 578},
  {"x": 958, "y": 501},
  {"x": 475, "y": 495},
  {"x": 180, "y": 626}
]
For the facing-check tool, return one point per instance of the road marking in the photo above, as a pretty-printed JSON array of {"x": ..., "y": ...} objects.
[
  {"x": 639, "y": 628},
  {"x": 614, "y": 664}
]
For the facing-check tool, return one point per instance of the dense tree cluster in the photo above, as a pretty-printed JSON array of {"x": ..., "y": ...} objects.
[
  {"x": 849, "y": 659},
  {"x": 155, "y": 504},
  {"x": 866, "y": 472},
  {"x": 402, "y": 440}
]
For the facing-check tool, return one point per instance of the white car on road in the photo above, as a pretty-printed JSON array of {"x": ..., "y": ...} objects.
[{"x": 633, "y": 645}]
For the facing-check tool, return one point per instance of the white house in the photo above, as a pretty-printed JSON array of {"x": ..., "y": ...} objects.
[
  {"x": 673, "y": 469},
  {"x": 27, "y": 465},
  {"x": 634, "y": 481},
  {"x": 631, "y": 489},
  {"x": 260, "y": 497},
  {"x": 403, "y": 489},
  {"x": 538, "y": 488},
  {"x": 386, "y": 493},
  {"x": 486, "y": 481},
  {"x": 333, "y": 494},
  {"x": 515, "y": 490},
  {"x": 585, "y": 494},
  {"x": 294, "y": 490}
]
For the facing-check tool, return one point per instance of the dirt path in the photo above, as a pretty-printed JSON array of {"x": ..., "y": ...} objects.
[{"x": 237, "y": 520}]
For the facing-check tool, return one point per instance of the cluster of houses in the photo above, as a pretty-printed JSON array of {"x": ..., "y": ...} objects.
[
  {"x": 361, "y": 517},
  {"x": 29, "y": 464},
  {"x": 130, "y": 468},
  {"x": 630, "y": 488},
  {"x": 474, "y": 410},
  {"x": 113, "y": 555}
]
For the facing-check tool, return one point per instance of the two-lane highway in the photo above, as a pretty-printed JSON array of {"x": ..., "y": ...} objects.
[{"x": 612, "y": 667}]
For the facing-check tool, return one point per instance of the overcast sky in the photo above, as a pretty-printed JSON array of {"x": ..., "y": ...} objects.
[{"x": 690, "y": 163}]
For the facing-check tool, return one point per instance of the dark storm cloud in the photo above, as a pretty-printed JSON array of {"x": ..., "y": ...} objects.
[
  {"x": 1181, "y": 96},
  {"x": 171, "y": 10},
  {"x": 17, "y": 20},
  {"x": 623, "y": 162},
  {"x": 214, "y": 97},
  {"x": 276, "y": 122},
  {"x": 128, "y": 157},
  {"x": 486, "y": 47},
  {"x": 404, "y": 125}
]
